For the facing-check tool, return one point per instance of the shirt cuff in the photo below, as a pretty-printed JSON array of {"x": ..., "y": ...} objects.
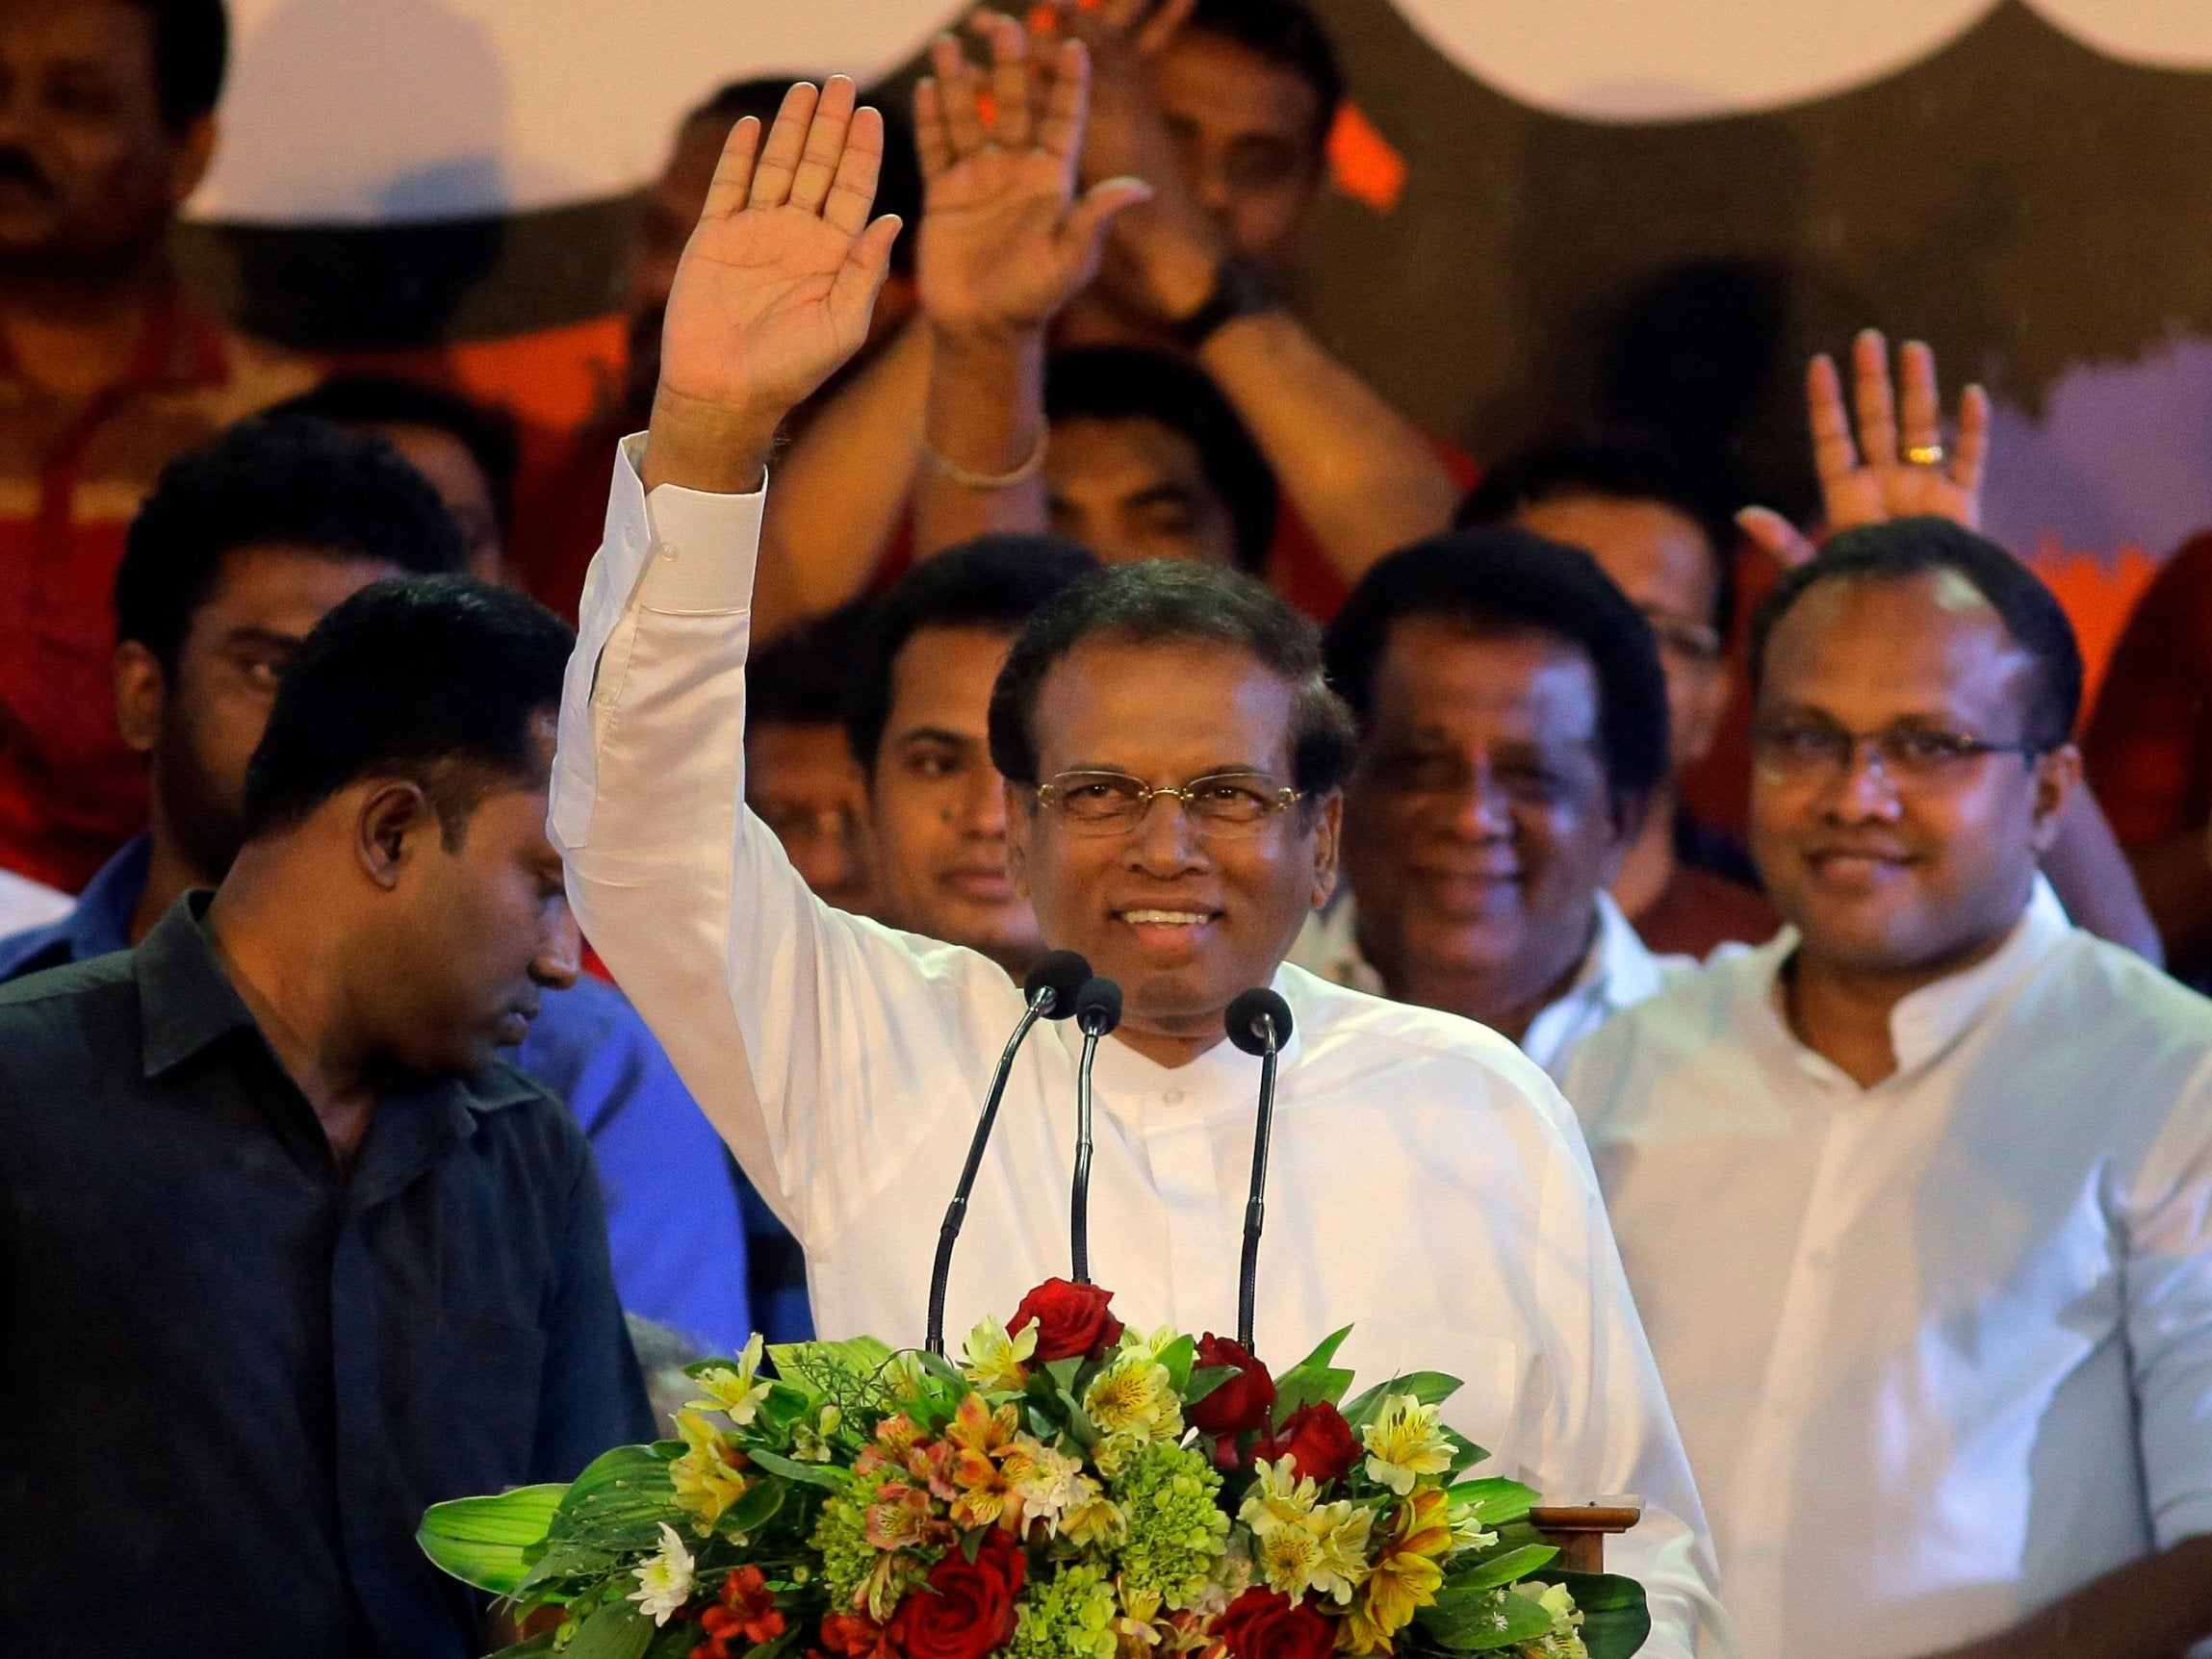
[{"x": 704, "y": 548}]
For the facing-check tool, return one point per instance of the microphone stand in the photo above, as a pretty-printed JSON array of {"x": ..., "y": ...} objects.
[
  {"x": 1257, "y": 1022},
  {"x": 1097, "y": 1012},
  {"x": 1050, "y": 996}
]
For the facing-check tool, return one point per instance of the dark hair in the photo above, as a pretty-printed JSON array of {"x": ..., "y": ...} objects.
[
  {"x": 1284, "y": 31},
  {"x": 281, "y": 479},
  {"x": 898, "y": 182},
  {"x": 993, "y": 582},
  {"x": 1617, "y": 467},
  {"x": 1905, "y": 547},
  {"x": 1128, "y": 383},
  {"x": 1509, "y": 578},
  {"x": 432, "y": 679},
  {"x": 487, "y": 433},
  {"x": 1170, "y": 601},
  {"x": 799, "y": 677},
  {"x": 191, "y": 48}
]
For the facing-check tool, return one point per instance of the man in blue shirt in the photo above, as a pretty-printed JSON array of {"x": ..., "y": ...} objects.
[{"x": 241, "y": 550}]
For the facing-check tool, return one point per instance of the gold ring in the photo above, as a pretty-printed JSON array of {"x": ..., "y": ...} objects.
[{"x": 1924, "y": 455}]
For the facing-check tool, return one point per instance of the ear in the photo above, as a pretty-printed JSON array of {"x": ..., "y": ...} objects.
[
  {"x": 188, "y": 164},
  {"x": 2057, "y": 779},
  {"x": 142, "y": 696},
  {"x": 1328, "y": 846},
  {"x": 390, "y": 822},
  {"x": 1020, "y": 825}
]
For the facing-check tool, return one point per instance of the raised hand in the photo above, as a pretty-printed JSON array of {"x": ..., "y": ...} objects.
[
  {"x": 775, "y": 286},
  {"x": 1887, "y": 473},
  {"x": 1004, "y": 241}
]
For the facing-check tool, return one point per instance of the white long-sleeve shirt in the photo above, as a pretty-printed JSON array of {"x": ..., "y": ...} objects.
[
  {"x": 1429, "y": 1185},
  {"x": 1942, "y": 1346}
]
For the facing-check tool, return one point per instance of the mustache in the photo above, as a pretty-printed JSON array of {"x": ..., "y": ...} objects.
[{"x": 17, "y": 166}]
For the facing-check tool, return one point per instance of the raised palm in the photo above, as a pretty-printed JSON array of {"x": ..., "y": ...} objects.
[
  {"x": 1885, "y": 468},
  {"x": 1004, "y": 240},
  {"x": 777, "y": 283}
]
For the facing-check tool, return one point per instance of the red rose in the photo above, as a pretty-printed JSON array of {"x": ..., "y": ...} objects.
[
  {"x": 1242, "y": 1402},
  {"x": 1264, "y": 1624},
  {"x": 1070, "y": 1319},
  {"x": 968, "y": 1608},
  {"x": 1317, "y": 1440}
]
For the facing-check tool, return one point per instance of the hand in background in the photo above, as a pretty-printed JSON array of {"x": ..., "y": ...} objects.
[
  {"x": 1161, "y": 259},
  {"x": 1004, "y": 241},
  {"x": 775, "y": 286},
  {"x": 1887, "y": 473}
]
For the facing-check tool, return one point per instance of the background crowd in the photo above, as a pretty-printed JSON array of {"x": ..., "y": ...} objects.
[{"x": 1915, "y": 1034}]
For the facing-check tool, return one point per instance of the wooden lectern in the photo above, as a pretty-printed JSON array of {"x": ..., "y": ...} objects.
[{"x": 1579, "y": 1530}]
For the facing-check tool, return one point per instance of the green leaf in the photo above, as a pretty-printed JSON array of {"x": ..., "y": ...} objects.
[
  {"x": 1177, "y": 1356},
  {"x": 1616, "y": 1618},
  {"x": 1483, "y": 1620},
  {"x": 1465, "y": 1453},
  {"x": 863, "y": 1355},
  {"x": 1205, "y": 1380},
  {"x": 1495, "y": 1500},
  {"x": 1062, "y": 1372},
  {"x": 753, "y": 1511},
  {"x": 618, "y": 1630},
  {"x": 1429, "y": 1388},
  {"x": 1312, "y": 1378},
  {"x": 485, "y": 1540},
  {"x": 1508, "y": 1568},
  {"x": 828, "y": 1477}
]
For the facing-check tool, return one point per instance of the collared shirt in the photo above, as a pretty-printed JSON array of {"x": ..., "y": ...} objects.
[
  {"x": 232, "y": 1376},
  {"x": 72, "y": 473},
  {"x": 1941, "y": 1348},
  {"x": 675, "y": 1222},
  {"x": 26, "y": 903},
  {"x": 1618, "y": 971},
  {"x": 1428, "y": 1181}
]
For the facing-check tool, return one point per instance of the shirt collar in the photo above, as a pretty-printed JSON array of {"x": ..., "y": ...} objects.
[
  {"x": 1928, "y": 1021},
  {"x": 186, "y": 999},
  {"x": 1221, "y": 1077}
]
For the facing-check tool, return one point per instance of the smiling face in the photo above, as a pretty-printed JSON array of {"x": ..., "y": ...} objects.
[
  {"x": 1882, "y": 874},
  {"x": 90, "y": 173},
  {"x": 1184, "y": 919},
  {"x": 937, "y": 806},
  {"x": 1479, "y": 828}
]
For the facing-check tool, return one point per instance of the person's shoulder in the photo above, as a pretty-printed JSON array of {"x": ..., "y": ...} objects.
[
  {"x": 262, "y": 373},
  {"x": 1693, "y": 1008},
  {"x": 61, "y": 1022},
  {"x": 1340, "y": 1026},
  {"x": 513, "y": 1107},
  {"x": 2089, "y": 992},
  {"x": 35, "y": 949}
]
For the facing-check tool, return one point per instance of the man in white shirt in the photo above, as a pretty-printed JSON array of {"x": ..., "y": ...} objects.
[
  {"x": 1428, "y": 1181},
  {"x": 1513, "y": 719},
  {"x": 1917, "y": 1199}
]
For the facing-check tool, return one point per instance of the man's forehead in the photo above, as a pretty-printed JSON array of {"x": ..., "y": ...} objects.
[
  {"x": 942, "y": 673},
  {"x": 1210, "y": 78},
  {"x": 1925, "y": 641},
  {"x": 1172, "y": 701},
  {"x": 1443, "y": 672}
]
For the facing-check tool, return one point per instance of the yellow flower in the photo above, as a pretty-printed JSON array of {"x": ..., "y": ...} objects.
[
  {"x": 1134, "y": 1399},
  {"x": 1563, "y": 1641},
  {"x": 1091, "y": 1519},
  {"x": 1324, "y": 1550},
  {"x": 993, "y": 1360},
  {"x": 734, "y": 1390},
  {"x": 1405, "y": 1442},
  {"x": 707, "y": 1482},
  {"x": 1406, "y": 1573},
  {"x": 982, "y": 1439},
  {"x": 1277, "y": 1493}
]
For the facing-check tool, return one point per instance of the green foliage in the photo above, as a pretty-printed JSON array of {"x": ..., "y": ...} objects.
[
  {"x": 616, "y": 1631},
  {"x": 487, "y": 1542},
  {"x": 1313, "y": 1379},
  {"x": 1483, "y": 1620},
  {"x": 1496, "y": 1502},
  {"x": 828, "y": 1477},
  {"x": 1616, "y": 1619},
  {"x": 1509, "y": 1567},
  {"x": 1429, "y": 1388}
]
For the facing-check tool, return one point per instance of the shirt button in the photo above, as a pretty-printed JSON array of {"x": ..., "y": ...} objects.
[{"x": 1173, "y": 1097}]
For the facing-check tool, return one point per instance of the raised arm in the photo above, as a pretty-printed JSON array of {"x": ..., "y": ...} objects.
[
  {"x": 780, "y": 1013},
  {"x": 1896, "y": 464},
  {"x": 1359, "y": 474}
]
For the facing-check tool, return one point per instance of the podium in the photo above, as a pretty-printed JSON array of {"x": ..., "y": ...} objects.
[{"x": 1578, "y": 1531}]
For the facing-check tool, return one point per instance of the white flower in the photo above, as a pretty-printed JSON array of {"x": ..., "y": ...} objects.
[{"x": 664, "y": 1580}]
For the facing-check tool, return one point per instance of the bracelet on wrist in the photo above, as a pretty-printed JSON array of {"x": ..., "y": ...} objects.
[{"x": 987, "y": 481}]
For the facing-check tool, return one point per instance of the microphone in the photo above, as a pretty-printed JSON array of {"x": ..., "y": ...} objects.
[
  {"x": 1097, "y": 1012},
  {"x": 1258, "y": 1022},
  {"x": 1050, "y": 991}
]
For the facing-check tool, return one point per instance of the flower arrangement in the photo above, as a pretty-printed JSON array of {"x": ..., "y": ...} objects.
[{"x": 1071, "y": 1490}]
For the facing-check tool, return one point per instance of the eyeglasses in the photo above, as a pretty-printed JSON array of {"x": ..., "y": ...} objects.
[
  {"x": 1806, "y": 751},
  {"x": 1113, "y": 803},
  {"x": 1678, "y": 636}
]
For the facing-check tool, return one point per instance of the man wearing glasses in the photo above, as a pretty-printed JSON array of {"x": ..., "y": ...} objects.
[
  {"x": 1173, "y": 759},
  {"x": 1917, "y": 1199},
  {"x": 1514, "y": 723}
]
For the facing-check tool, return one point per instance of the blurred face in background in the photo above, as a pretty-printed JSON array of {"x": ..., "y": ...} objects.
[
  {"x": 1248, "y": 133},
  {"x": 1662, "y": 558},
  {"x": 937, "y": 806},
  {"x": 453, "y": 470},
  {"x": 90, "y": 174},
  {"x": 1134, "y": 489},
  {"x": 803, "y": 783},
  {"x": 1479, "y": 828}
]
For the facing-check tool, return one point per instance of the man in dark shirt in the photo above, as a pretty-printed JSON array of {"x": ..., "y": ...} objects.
[{"x": 286, "y": 1254}]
